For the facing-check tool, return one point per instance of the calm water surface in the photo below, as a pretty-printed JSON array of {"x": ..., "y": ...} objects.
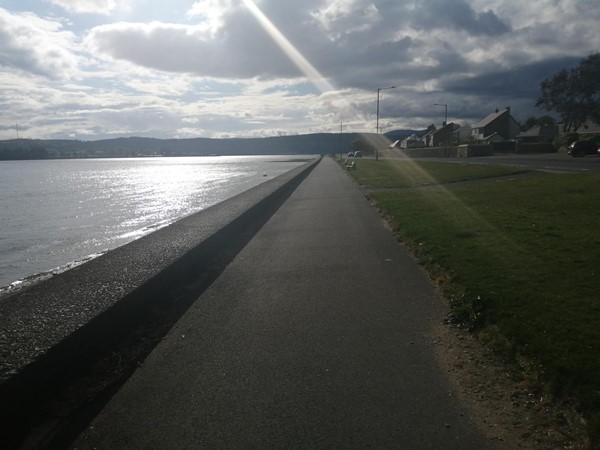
[{"x": 57, "y": 213}]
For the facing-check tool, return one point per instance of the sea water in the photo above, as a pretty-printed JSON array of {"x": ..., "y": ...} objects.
[{"x": 55, "y": 214}]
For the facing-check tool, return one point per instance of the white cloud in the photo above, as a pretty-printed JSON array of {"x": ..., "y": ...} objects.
[
  {"x": 210, "y": 13},
  {"x": 164, "y": 86},
  {"x": 163, "y": 46},
  {"x": 342, "y": 17},
  {"x": 36, "y": 46},
  {"x": 86, "y": 6},
  {"x": 243, "y": 52}
]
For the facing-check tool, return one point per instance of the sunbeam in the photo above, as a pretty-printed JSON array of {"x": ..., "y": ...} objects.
[
  {"x": 289, "y": 49},
  {"x": 310, "y": 71},
  {"x": 316, "y": 78}
]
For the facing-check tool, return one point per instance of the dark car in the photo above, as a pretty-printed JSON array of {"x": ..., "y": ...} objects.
[{"x": 582, "y": 148}]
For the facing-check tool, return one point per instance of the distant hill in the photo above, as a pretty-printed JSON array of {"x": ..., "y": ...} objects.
[
  {"x": 396, "y": 135},
  {"x": 305, "y": 144}
]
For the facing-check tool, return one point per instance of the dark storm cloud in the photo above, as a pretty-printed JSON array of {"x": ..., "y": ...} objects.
[
  {"x": 344, "y": 39},
  {"x": 458, "y": 15},
  {"x": 368, "y": 66},
  {"x": 351, "y": 52},
  {"x": 172, "y": 48},
  {"x": 432, "y": 50},
  {"x": 520, "y": 82}
]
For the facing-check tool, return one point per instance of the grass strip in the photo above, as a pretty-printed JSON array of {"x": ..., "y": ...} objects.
[
  {"x": 400, "y": 173},
  {"x": 520, "y": 259}
]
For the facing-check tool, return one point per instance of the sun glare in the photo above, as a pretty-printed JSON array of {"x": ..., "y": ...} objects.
[
  {"x": 289, "y": 49},
  {"x": 316, "y": 78}
]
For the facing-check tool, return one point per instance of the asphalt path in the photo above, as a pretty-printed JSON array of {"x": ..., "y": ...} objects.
[{"x": 318, "y": 335}]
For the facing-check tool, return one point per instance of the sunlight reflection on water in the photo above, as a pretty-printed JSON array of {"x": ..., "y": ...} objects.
[{"x": 58, "y": 211}]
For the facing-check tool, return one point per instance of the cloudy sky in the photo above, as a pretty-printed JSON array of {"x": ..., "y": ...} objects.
[{"x": 94, "y": 69}]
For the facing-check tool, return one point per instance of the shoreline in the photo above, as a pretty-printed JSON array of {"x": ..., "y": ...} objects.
[
  {"x": 60, "y": 213},
  {"x": 31, "y": 280}
]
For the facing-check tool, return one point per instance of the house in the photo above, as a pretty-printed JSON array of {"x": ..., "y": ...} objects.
[
  {"x": 426, "y": 138},
  {"x": 461, "y": 135},
  {"x": 443, "y": 136},
  {"x": 418, "y": 138},
  {"x": 411, "y": 141},
  {"x": 499, "y": 125},
  {"x": 538, "y": 134}
]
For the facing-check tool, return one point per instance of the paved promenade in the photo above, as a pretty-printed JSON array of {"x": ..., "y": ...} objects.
[{"x": 318, "y": 335}]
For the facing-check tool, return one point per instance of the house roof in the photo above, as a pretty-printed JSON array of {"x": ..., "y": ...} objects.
[
  {"x": 489, "y": 119},
  {"x": 539, "y": 130},
  {"x": 533, "y": 131},
  {"x": 589, "y": 127},
  {"x": 447, "y": 128},
  {"x": 428, "y": 134},
  {"x": 412, "y": 137}
]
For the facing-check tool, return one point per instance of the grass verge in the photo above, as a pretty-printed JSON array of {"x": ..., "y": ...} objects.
[
  {"x": 517, "y": 259},
  {"x": 398, "y": 173}
]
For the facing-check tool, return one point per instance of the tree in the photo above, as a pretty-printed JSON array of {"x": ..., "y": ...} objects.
[
  {"x": 533, "y": 121},
  {"x": 530, "y": 122},
  {"x": 546, "y": 120},
  {"x": 574, "y": 93}
]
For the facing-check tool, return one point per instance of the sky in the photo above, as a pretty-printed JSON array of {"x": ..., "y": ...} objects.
[{"x": 98, "y": 69}]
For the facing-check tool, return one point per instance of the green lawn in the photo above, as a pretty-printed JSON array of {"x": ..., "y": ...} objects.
[
  {"x": 394, "y": 173},
  {"x": 519, "y": 260}
]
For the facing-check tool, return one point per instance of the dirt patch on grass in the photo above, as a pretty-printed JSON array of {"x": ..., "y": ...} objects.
[{"x": 511, "y": 411}]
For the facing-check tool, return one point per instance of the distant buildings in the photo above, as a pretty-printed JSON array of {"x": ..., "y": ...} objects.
[
  {"x": 412, "y": 141},
  {"x": 450, "y": 134},
  {"x": 442, "y": 136},
  {"x": 461, "y": 135},
  {"x": 499, "y": 128}
]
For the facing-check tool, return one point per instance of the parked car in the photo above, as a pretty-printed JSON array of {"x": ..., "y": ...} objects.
[
  {"x": 350, "y": 154},
  {"x": 358, "y": 154},
  {"x": 582, "y": 148}
]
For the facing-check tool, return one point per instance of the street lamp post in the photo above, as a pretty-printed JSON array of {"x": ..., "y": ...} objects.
[
  {"x": 445, "y": 113},
  {"x": 377, "y": 143},
  {"x": 341, "y": 141},
  {"x": 445, "y": 124}
]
